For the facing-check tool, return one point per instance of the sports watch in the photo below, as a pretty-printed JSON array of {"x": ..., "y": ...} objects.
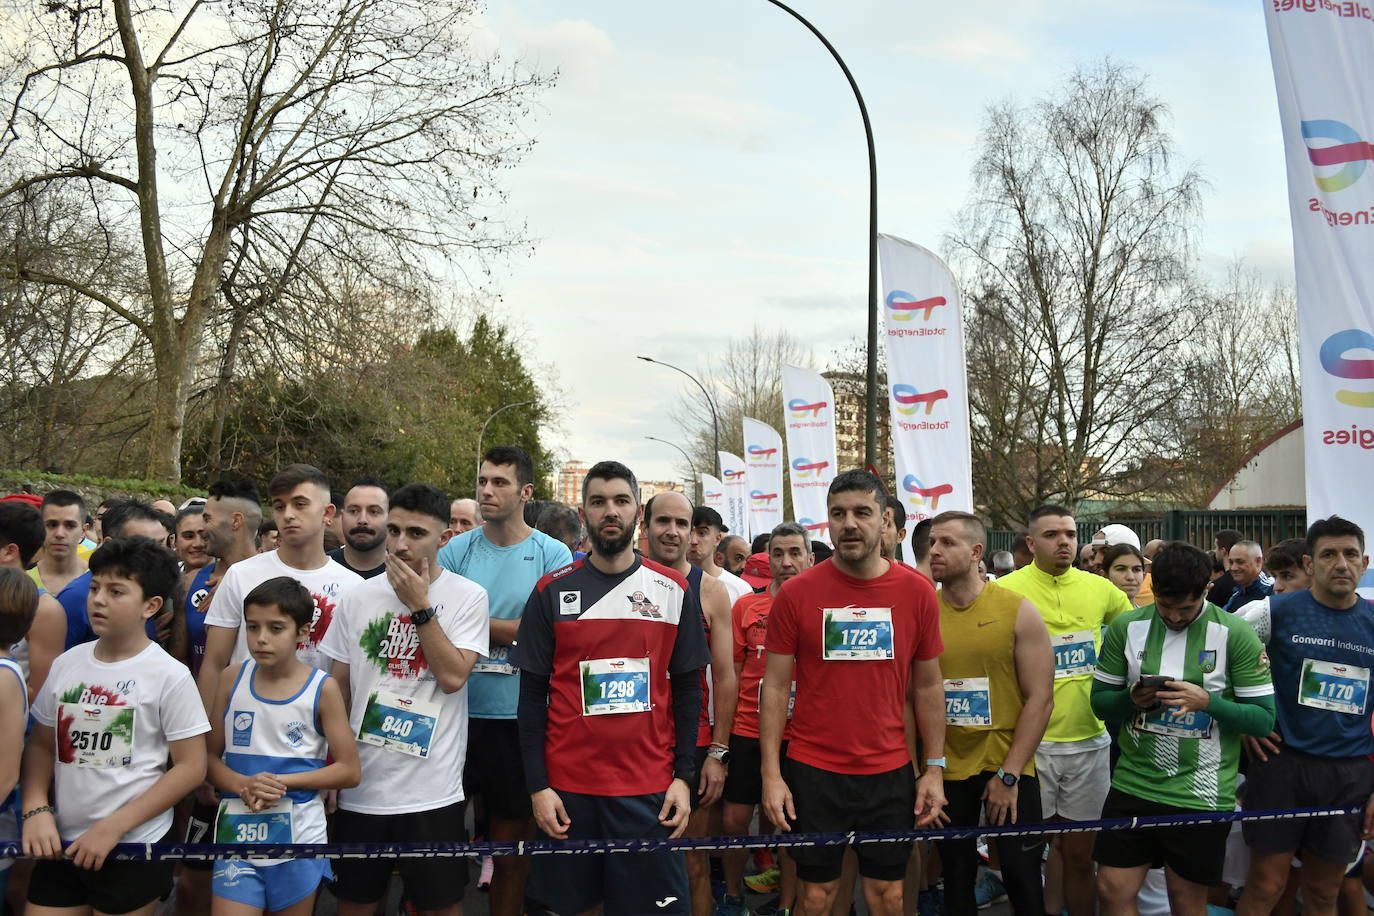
[
  {"x": 422, "y": 616},
  {"x": 719, "y": 754},
  {"x": 1008, "y": 779}
]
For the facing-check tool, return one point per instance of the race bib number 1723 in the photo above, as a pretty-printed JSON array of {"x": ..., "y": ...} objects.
[{"x": 857, "y": 634}]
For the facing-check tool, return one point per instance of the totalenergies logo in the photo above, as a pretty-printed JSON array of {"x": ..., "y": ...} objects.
[
  {"x": 903, "y": 305},
  {"x": 909, "y": 400},
  {"x": 733, "y": 476},
  {"x": 762, "y": 500},
  {"x": 801, "y": 408},
  {"x": 710, "y": 495},
  {"x": 813, "y": 526},
  {"x": 920, "y": 494},
  {"x": 1335, "y": 362},
  {"x": 759, "y": 453},
  {"x": 1350, "y": 152},
  {"x": 805, "y": 467}
]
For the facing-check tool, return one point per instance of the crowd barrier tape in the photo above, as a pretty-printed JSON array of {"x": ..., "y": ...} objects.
[{"x": 199, "y": 852}]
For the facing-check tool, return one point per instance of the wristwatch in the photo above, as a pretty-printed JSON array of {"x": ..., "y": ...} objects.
[
  {"x": 1008, "y": 779},
  {"x": 719, "y": 754},
  {"x": 423, "y": 616}
]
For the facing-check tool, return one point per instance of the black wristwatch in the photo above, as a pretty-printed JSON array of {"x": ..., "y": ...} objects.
[
  {"x": 1008, "y": 779},
  {"x": 422, "y": 616}
]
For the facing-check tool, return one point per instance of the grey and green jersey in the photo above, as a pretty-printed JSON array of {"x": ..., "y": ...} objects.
[{"x": 1183, "y": 759}]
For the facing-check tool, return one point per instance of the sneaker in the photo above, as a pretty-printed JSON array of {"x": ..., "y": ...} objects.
[
  {"x": 988, "y": 890},
  {"x": 732, "y": 906},
  {"x": 931, "y": 902},
  {"x": 765, "y": 882}
]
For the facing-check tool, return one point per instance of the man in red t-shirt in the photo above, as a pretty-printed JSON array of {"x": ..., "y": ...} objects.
[{"x": 860, "y": 635}]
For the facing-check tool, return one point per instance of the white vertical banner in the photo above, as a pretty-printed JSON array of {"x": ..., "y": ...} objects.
[
  {"x": 1323, "y": 58},
  {"x": 735, "y": 478},
  {"x": 809, "y": 410},
  {"x": 763, "y": 461},
  {"x": 927, "y": 392},
  {"x": 713, "y": 494}
]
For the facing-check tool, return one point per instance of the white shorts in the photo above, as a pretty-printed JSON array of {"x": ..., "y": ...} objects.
[{"x": 1074, "y": 786}]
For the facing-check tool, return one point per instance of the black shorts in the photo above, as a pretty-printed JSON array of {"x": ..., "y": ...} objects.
[
  {"x": 430, "y": 883},
  {"x": 1196, "y": 852},
  {"x": 118, "y": 887},
  {"x": 1296, "y": 780},
  {"x": 829, "y": 802},
  {"x": 200, "y": 828},
  {"x": 495, "y": 770},
  {"x": 627, "y": 884},
  {"x": 744, "y": 778}
]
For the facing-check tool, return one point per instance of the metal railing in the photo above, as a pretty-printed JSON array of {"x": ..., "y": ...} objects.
[{"x": 1197, "y": 527}]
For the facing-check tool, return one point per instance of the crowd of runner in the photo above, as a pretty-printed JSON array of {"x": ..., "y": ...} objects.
[{"x": 368, "y": 672}]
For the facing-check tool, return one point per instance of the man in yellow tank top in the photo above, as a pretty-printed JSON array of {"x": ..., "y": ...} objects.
[{"x": 999, "y": 689}]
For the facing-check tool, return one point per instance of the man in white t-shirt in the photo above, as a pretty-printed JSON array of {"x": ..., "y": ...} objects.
[
  {"x": 707, "y": 530},
  {"x": 403, "y": 646},
  {"x": 301, "y": 509}
]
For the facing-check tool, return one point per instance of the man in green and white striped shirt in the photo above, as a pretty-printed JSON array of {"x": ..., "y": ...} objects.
[{"x": 1180, "y": 739}]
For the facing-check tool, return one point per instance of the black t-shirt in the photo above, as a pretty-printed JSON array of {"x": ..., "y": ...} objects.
[
  {"x": 1221, "y": 590},
  {"x": 337, "y": 555}
]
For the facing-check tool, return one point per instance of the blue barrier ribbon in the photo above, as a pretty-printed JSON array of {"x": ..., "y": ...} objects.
[{"x": 195, "y": 852}]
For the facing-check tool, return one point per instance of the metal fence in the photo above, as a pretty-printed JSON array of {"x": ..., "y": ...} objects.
[{"x": 1198, "y": 527}]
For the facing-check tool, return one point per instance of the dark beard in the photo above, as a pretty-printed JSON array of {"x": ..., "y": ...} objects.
[
  {"x": 609, "y": 548},
  {"x": 377, "y": 540}
]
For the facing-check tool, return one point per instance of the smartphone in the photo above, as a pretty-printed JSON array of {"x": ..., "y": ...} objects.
[{"x": 1153, "y": 680}]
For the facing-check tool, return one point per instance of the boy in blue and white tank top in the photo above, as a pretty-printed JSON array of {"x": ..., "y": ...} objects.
[{"x": 277, "y": 722}]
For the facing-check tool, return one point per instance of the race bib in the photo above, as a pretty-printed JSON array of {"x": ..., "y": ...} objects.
[
  {"x": 397, "y": 723},
  {"x": 857, "y": 634},
  {"x": 237, "y": 823},
  {"x": 1173, "y": 722},
  {"x": 1074, "y": 653},
  {"x": 99, "y": 735},
  {"x": 968, "y": 702},
  {"x": 1327, "y": 685},
  {"x": 498, "y": 662},
  {"x": 614, "y": 685}
]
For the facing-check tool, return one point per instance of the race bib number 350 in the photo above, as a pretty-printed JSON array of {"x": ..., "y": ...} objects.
[
  {"x": 236, "y": 823},
  {"x": 97, "y": 735},
  {"x": 398, "y": 723},
  {"x": 857, "y": 634},
  {"x": 1327, "y": 685},
  {"x": 614, "y": 685}
]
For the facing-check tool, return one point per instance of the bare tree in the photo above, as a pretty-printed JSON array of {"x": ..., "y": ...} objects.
[
  {"x": 270, "y": 132},
  {"x": 1076, "y": 255}
]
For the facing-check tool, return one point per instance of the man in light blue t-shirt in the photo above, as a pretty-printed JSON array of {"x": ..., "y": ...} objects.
[{"x": 506, "y": 557}]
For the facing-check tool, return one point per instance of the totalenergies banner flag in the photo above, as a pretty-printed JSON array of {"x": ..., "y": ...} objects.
[
  {"x": 763, "y": 461},
  {"x": 1323, "y": 55},
  {"x": 713, "y": 494},
  {"x": 927, "y": 393},
  {"x": 808, "y": 406},
  {"x": 736, "y": 511}
]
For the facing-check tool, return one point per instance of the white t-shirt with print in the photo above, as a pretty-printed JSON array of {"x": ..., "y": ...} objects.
[
  {"x": 113, "y": 722},
  {"x": 325, "y": 585},
  {"x": 373, "y": 635},
  {"x": 735, "y": 587}
]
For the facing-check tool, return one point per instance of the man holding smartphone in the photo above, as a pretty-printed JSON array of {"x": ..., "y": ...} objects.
[{"x": 1185, "y": 679}]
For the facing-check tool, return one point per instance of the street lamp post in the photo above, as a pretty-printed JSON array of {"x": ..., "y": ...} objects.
[
  {"x": 696, "y": 478},
  {"x": 871, "y": 381},
  {"x": 483, "y": 433},
  {"x": 715, "y": 418}
]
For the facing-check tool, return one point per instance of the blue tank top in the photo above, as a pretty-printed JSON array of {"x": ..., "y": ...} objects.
[{"x": 197, "y": 603}]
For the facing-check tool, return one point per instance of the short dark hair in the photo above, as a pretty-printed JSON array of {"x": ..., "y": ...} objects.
[
  {"x": 898, "y": 512},
  {"x": 760, "y": 542},
  {"x": 611, "y": 470},
  {"x": 533, "y": 509},
  {"x": 131, "y": 510},
  {"x": 1227, "y": 538},
  {"x": 860, "y": 480},
  {"x": 821, "y": 550},
  {"x": 1045, "y": 509},
  {"x": 1117, "y": 551},
  {"x": 1018, "y": 542},
  {"x": 787, "y": 530},
  {"x": 512, "y": 454},
  {"x": 561, "y": 523},
  {"x": 266, "y": 525},
  {"x": 64, "y": 498},
  {"x": 145, "y": 561},
  {"x": 293, "y": 475},
  {"x": 1333, "y": 526},
  {"x": 1286, "y": 554},
  {"x": 22, "y": 526},
  {"x": 972, "y": 524},
  {"x": 236, "y": 488},
  {"x": 425, "y": 498},
  {"x": 370, "y": 480},
  {"x": 197, "y": 511},
  {"x": 18, "y": 604},
  {"x": 287, "y": 595},
  {"x": 920, "y": 541},
  {"x": 1180, "y": 571}
]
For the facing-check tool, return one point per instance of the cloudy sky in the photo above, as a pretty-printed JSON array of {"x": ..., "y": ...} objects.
[{"x": 701, "y": 167}]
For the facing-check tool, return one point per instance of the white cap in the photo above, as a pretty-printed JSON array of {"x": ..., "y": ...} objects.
[{"x": 1116, "y": 534}]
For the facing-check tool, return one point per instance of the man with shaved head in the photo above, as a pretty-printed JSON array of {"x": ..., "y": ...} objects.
[
  {"x": 1245, "y": 563},
  {"x": 464, "y": 515},
  {"x": 732, "y": 553}
]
